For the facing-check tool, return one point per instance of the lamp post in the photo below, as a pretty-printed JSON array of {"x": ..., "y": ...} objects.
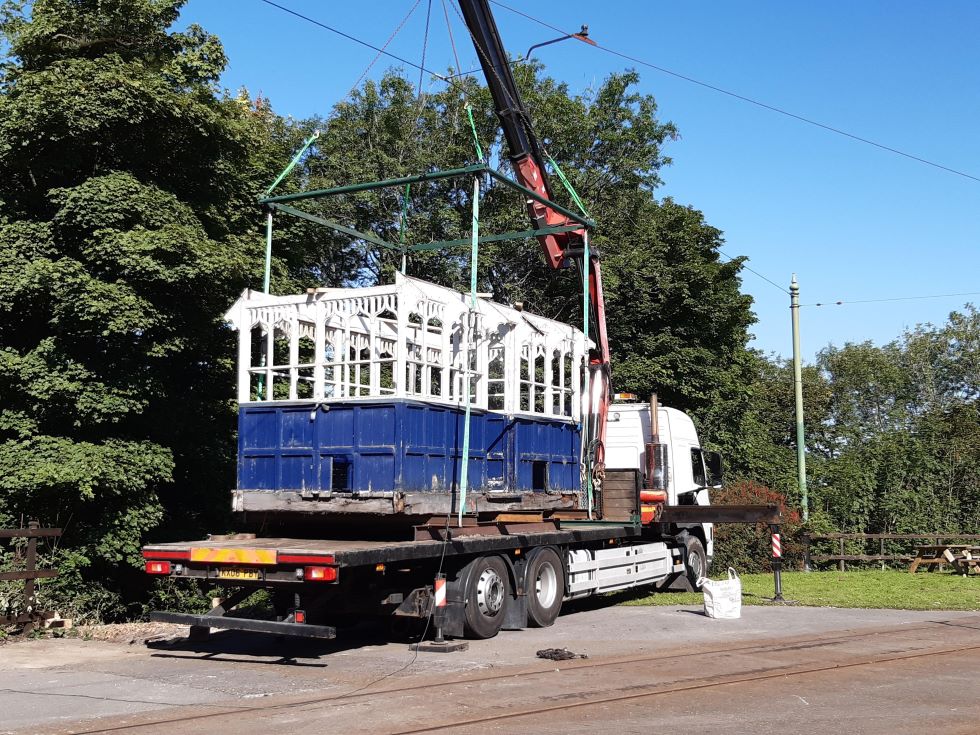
[{"x": 794, "y": 299}]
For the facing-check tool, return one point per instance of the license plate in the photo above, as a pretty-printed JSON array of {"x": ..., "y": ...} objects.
[{"x": 238, "y": 574}]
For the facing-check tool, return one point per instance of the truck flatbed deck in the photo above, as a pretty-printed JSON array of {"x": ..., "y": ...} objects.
[{"x": 361, "y": 552}]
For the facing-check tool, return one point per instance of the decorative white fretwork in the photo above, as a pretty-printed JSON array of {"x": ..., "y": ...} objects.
[{"x": 411, "y": 339}]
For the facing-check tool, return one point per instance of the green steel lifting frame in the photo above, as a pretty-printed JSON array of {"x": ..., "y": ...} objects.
[{"x": 282, "y": 203}]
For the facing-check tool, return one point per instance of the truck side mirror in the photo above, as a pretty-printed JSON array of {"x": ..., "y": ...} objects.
[{"x": 713, "y": 460}]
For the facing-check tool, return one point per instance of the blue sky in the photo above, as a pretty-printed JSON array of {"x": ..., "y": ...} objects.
[{"x": 854, "y": 222}]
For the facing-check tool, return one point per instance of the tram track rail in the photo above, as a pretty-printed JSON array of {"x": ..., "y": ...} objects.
[{"x": 574, "y": 699}]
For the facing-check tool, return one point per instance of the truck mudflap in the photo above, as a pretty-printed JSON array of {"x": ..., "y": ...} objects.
[{"x": 304, "y": 630}]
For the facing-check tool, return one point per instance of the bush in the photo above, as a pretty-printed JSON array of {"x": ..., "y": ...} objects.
[{"x": 748, "y": 548}]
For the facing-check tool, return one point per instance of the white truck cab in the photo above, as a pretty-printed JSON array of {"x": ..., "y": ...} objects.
[{"x": 688, "y": 472}]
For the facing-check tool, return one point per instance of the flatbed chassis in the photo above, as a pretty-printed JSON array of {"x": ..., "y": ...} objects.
[{"x": 398, "y": 577}]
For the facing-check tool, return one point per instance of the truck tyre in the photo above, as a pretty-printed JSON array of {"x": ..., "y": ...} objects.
[
  {"x": 487, "y": 596},
  {"x": 545, "y": 587},
  {"x": 695, "y": 561}
]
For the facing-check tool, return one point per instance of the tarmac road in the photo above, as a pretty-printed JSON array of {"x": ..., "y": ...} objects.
[{"x": 776, "y": 670}]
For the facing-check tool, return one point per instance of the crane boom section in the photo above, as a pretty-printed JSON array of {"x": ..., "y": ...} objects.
[{"x": 528, "y": 161}]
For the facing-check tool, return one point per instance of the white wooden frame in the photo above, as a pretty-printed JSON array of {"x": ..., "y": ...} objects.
[{"x": 406, "y": 340}]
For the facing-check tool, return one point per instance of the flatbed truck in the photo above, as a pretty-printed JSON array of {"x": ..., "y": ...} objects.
[
  {"x": 364, "y": 412},
  {"x": 509, "y": 574}
]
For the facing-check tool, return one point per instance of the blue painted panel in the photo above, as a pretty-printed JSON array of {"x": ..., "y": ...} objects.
[
  {"x": 297, "y": 427},
  {"x": 260, "y": 429},
  {"x": 296, "y": 471},
  {"x": 401, "y": 445},
  {"x": 335, "y": 427},
  {"x": 257, "y": 472}
]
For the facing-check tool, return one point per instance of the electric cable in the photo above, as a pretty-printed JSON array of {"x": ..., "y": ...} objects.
[
  {"x": 385, "y": 46},
  {"x": 750, "y": 100},
  {"x": 735, "y": 95},
  {"x": 843, "y": 302},
  {"x": 752, "y": 270}
]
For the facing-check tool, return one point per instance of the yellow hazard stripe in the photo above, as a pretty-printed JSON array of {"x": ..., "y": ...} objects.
[{"x": 234, "y": 556}]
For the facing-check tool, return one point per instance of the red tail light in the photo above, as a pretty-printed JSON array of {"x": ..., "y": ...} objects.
[
  {"x": 320, "y": 574},
  {"x": 158, "y": 567}
]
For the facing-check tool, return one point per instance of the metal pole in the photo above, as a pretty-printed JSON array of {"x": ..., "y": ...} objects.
[
  {"x": 268, "y": 251},
  {"x": 467, "y": 373},
  {"x": 401, "y": 226},
  {"x": 794, "y": 296}
]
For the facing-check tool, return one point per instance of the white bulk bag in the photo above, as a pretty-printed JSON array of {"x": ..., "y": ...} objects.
[{"x": 723, "y": 599}]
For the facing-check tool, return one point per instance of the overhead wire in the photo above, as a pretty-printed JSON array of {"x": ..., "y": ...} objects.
[
  {"x": 752, "y": 270},
  {"x": 844, "y": 302},
  {"x": 349, "y": 37},
  {"x": 744, "y": 98},
  {"x": 385, "y": 46},
  {"x": 450, "y": 79}
]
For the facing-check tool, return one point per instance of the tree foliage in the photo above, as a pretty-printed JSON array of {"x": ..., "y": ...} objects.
[
  {"x": 129, "y": 223},
  {"x": 892, "y": 431},
  {"x": 678, "y": 322},
  {"x": 126, "y": 228}
]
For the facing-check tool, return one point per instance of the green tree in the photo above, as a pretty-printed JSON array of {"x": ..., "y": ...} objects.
[
  {"x": 127, "y": 226},
  {"x": 678, "y": 322},
  {"x": 897, "y": 442}
]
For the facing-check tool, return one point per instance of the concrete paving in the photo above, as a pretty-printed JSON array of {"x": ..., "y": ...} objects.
[{"x": 74, "y": 686}]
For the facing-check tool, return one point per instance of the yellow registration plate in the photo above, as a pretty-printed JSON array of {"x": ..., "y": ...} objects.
[{"x": 238, "y": 574}]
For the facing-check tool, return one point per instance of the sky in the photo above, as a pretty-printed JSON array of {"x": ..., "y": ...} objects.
[{"x": 853, "y": 221}]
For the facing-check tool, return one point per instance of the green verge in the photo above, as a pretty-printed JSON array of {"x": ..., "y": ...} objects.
[{"x": 897, "y": 590}]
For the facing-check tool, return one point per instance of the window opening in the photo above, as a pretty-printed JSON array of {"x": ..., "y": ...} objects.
[
  {"x": 340, "y": 474},
  {"x": 539, "y": 476}
]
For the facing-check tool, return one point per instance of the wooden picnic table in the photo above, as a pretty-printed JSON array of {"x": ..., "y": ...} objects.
[{"x": 963, "y": 557}]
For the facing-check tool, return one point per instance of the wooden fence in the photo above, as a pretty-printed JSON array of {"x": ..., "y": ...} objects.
[
  {"x": 29, "y": 616},
  {"x": 843, "y": 538}
]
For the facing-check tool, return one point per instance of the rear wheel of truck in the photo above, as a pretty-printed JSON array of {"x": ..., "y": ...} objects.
[
  {"x": 695, "y": 561},
  {"x": 545, "y": 584},
  {"x": 487, "y": 596}
]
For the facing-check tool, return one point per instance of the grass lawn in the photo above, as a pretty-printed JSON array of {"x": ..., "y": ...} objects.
[{"x": 892, "y": 589}]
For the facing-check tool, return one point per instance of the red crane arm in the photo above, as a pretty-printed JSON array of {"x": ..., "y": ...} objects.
[{"x": 560, "y": 248}]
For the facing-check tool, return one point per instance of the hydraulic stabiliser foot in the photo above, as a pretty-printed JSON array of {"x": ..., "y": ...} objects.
[{"x": 439, "y": 645}]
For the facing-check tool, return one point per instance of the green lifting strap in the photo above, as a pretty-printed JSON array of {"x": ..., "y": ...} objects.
[
  {"x": 292, "y": 163},
  {"x": 467, "y": 374},
  {"x": 569, "y": 187},
  {"x": 476, "y": 139}
]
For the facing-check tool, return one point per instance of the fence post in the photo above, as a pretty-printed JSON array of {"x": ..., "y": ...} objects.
[
  {"x": 882, "y": 553},
  {"x": 842, "y": 553},
  {"x": 29, "y": 602}
]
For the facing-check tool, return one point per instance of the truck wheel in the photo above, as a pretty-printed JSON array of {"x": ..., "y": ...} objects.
[
  {"x": 487, "y": 597},
  {"x": 545, "y": 585},
  {"x": 695, "y": 561}
]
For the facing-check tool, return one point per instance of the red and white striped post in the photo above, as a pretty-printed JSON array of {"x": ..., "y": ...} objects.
[
  {"x": 439, "y": 605},
  {"x": 777, "y": 562}
]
